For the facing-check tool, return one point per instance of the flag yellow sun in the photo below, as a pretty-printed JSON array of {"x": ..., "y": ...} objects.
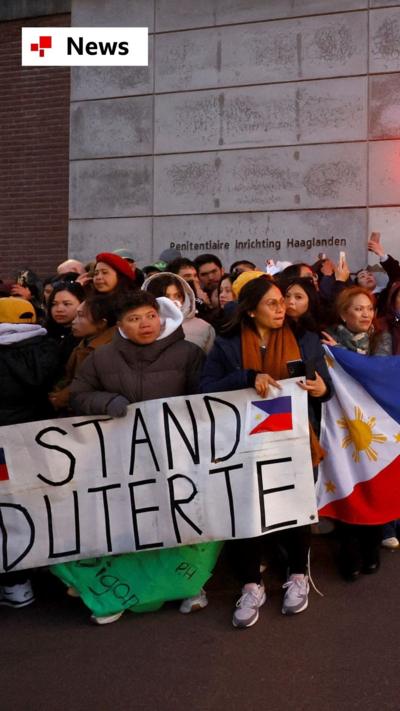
[{"x": 360, "y": 435}]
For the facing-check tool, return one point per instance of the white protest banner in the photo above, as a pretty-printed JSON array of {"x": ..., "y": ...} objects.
[{"x": 178, "y": 471}]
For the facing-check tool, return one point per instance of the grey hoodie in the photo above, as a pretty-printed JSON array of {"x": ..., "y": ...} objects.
[{"x": 196, "y": 330}]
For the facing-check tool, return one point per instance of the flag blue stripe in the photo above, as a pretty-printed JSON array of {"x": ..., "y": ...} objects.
[
  {"x": 379, "y": 376},
  {"x": 277, "y": 406}
]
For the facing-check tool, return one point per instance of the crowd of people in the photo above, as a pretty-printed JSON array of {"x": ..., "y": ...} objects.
[{"x": 94, "y": 338}]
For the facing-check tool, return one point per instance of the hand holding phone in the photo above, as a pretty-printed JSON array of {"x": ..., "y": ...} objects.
[
  {"x": 296, "y": 368},
  {"x": 374, "y": 244}
]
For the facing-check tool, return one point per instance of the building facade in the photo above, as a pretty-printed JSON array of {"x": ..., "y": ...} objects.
[{"x": 266, "y": 129}]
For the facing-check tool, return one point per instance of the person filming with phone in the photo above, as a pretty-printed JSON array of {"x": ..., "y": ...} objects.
[
  {"x": 366, "y": 278},
  {"x": 258, "y": 349}
]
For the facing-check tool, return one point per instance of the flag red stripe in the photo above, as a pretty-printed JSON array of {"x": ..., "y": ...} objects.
[
  {"x": 3, "y": 473},
  {"x": 275, "y": 423},
  {"x": 371, "y": 502}
]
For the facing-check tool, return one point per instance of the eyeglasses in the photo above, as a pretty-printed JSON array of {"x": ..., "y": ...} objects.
[{"x": 275, "y": 304}]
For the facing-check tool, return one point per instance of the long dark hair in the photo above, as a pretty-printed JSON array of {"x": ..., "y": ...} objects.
[
  {"x": 249, "y": 298},
  {"x": 159, "y": 284},
  {"x": 102, "y": 307},
  {"x": 76, "y": 290},
  {"x": 312, "y": 320}
]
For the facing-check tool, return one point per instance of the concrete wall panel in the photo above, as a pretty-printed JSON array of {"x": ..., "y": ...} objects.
[
  {"x": 115, "y": 127},
  {"x": 293, "y": 236},
  {"x": 264, "y": 179},
  {"x": 109, "y": 82},
  {"x": 385, "y": 106},
  {"x": 178, "y": 15},
  {"x": 385, "y": 40},
  {"x": 286, "y": 50},
  {"x": 118, "y": 13},
  {"x": 117, "y": 187},
  {"x": 384, "y": 173},
  {"x": 384, "y": 3},
  {"x": 89, "y": 237},
  {"x": 272, "y": 115}
]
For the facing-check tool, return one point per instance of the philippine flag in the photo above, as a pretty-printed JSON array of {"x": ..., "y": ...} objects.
[
  {"x": 3, "y": 466},
  {"x": 359, "y": 479},
  {"x": 271, "y": 415}
]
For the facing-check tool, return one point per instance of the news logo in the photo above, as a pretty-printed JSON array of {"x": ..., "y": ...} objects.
[
  {"x": 44, "y": 43},
  {"x": 84, "y": 46}
]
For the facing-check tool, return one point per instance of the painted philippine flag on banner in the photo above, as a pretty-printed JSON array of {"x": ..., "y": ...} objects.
[
  {"x": 271, "y": 415},
  {"x": 359, "y": 479},
  {"x": 3, "y": 466}
]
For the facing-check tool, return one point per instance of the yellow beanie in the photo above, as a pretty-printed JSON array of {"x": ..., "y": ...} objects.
[
  {"x": 16, "y": 310},
  {"x": 243, "y": 279}
]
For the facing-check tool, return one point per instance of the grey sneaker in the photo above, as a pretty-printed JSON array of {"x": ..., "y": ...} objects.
[
  {"x": 246, "y": 613},
  {"x": 296, "y": 595},
  {"x": 192, "y": 604},
  {"x": 106, "y": 619},
  {"x": 16, "y": 596}
]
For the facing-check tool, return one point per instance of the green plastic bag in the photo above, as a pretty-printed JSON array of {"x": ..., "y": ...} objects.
[{"x": 142, "y": 581}]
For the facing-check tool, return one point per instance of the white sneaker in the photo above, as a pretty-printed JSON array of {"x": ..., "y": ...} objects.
[
  {"x": 296, "y": 595},
  {"x": 192, "y": 604},
  {"x": 246, "y": 613},
  {"x": 17, "y": 595},
  {"x": 106, "y": 619},
  {"x": 391, "y": 542}
]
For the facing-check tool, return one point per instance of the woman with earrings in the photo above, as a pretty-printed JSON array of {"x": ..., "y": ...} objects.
[
  {"x": 356, "y": 330},
  {"x": 253, "y": 353}
]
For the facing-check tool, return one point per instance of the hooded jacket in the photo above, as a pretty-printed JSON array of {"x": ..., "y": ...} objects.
[
  {"x": 168, "y": 367},
  {"x": 196, "y": 330},
  {"x": 28, "y": 367}
]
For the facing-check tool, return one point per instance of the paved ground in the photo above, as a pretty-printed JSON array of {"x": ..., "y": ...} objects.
[{"x": 340, "y": 655}]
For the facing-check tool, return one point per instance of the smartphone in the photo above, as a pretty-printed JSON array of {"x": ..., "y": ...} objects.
[
  {"x": 309, "y": 367},
  {"x": 375, "y": 237},
  {"x": 342, "y": 259},
  {"x": 296, "y": 368}
]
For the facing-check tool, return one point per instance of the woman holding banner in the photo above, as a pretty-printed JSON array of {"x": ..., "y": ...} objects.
[
  {"x": 147, "y": 359},
  {"x": 255, "y": 352}
]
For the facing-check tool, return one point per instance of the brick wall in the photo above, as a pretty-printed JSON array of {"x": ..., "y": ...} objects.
[{"x": 34, "y": 154}]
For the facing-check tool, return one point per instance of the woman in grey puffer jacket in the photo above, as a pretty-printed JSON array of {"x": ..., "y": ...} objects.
[{"x": 148, "y": 358}]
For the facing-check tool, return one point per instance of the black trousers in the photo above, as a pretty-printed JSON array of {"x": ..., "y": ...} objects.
[
  {"x": 246, "y": 554},
  {"x": 17, "y": 578},
  {"x": 359, "y": 541}
]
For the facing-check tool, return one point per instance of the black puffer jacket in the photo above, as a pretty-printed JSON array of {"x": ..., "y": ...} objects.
[{"x": 27, "y": 372}]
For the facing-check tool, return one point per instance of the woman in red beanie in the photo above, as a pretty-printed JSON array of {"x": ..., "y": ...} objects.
[{"x": 113, "y": 274}]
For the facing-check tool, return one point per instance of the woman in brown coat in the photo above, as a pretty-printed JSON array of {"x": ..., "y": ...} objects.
[{"x": 94, "y": 323}]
